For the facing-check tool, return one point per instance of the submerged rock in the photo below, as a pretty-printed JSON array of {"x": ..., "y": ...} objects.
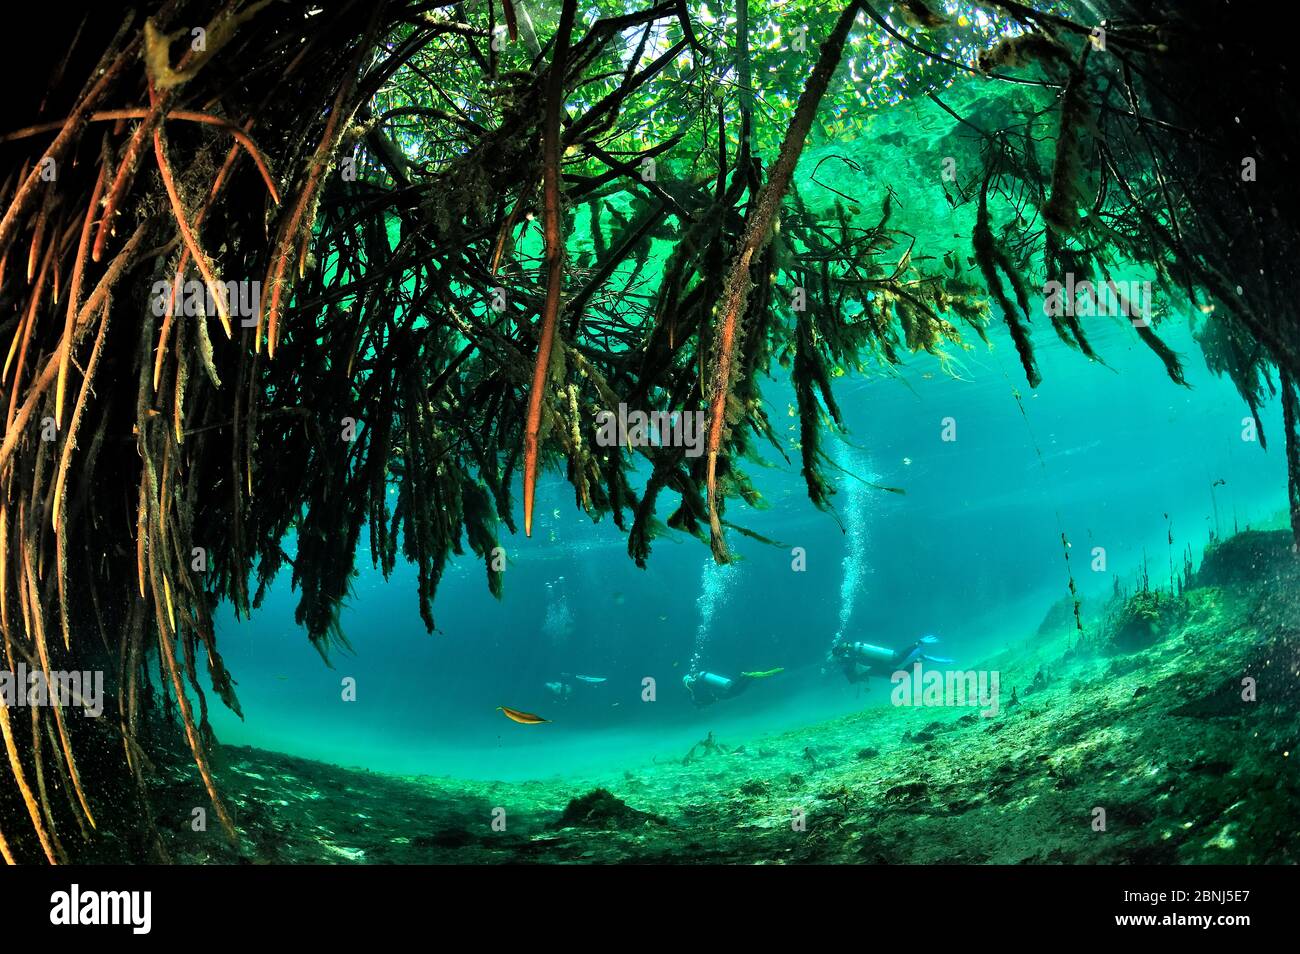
[
  {"x": 1143, "y": 620},
  {"x": 908, "y": 794},
  {"x": 600, "y": 808},
  {"x": 1248, "y": 557}
]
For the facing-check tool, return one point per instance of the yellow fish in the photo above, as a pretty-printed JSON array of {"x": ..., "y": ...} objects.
[{"x": 524, "y": 718}]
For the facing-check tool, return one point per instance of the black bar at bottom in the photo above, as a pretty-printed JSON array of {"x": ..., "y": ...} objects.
[{"x": 942, "y": 904}]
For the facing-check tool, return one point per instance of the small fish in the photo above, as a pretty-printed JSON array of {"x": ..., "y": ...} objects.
[
  {"x": 523, "y": 718},
  {"x": 593, "y": 680},
  {"x": 663, "y": 617},
  {"x": 907, "y": 462},
  {"x": 282, "y": 678}
]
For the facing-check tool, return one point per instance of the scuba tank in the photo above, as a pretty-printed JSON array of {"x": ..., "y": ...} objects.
[{"x": 866, "y": 651}]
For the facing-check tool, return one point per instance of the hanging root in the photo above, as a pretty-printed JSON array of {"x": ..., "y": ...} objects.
[
  {"x": 215, "y": 288},
  {"x": 1291, "y": 424},
  {"x": 554, "y": 257},
  {"x": 16, "y": 766},
  {"x": 758, "y": 232},
  {"x": 990, "y": 257}
]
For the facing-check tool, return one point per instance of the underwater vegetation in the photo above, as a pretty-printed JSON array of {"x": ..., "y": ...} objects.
[{"x": 285, "y": 286}]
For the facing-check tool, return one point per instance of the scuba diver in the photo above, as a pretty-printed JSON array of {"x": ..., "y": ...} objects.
[
  {"x": 860, "y": 660},
  {"x": 707, "y": 688},
  {"x": 562, "y": 691}
]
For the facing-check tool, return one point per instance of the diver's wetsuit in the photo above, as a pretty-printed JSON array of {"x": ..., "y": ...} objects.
[{"x": 707, "y": 688}]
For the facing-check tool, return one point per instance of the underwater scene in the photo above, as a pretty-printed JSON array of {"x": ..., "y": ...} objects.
[{"x": 748, "y": 432}]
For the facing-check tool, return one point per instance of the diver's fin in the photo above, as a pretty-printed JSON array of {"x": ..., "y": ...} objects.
[{"x": 763, "y": 675}]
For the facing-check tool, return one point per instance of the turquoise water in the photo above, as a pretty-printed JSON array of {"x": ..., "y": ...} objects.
[{"x": 972, "y": 552}]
